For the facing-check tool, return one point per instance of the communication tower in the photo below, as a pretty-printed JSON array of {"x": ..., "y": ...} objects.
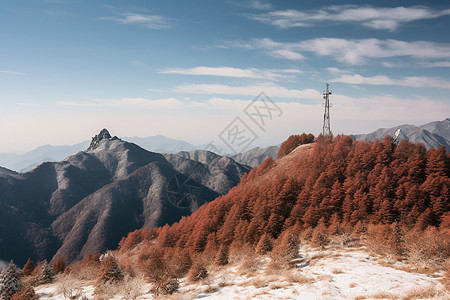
[{"x": 326, "y": 116}]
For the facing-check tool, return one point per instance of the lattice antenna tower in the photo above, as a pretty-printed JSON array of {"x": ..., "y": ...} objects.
[{"x": 326, "y": 116}]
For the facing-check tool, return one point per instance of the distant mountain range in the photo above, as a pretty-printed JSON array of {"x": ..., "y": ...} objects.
[
  {"x": 434, "y": 134},
  {"x": 49, "y": 153},
  {"x": 88, "y": 201}
]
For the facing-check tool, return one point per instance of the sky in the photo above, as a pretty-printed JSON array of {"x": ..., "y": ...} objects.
[{"x": 238, "y": 74}]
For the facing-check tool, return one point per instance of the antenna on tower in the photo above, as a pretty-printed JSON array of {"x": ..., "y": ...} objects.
[{"x": 326, "y": 116}]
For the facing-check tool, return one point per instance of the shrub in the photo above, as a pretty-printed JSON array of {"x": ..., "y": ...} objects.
[
  {"x": 69, "y": 287},
  {"x": 25, "y": 293},
  {"x": 180, "y": 262},
  {"x": 170, "y": 286},
  {"x": 109, "y": 271},
  {"x": 446, "y": 279},
  {"x": 155, "y": 268},
  {"x": 385, "y": 239},
  {"x": 285, "y": 250},
  {"x": 59, "y": 265},
  {"x": 43, "y": 273},
  {"x": 428, "y": 248},
  {"x": 198, "y": 271}
]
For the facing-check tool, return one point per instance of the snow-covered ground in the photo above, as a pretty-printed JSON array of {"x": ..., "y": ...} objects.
[{"x": 329, "y": 274}]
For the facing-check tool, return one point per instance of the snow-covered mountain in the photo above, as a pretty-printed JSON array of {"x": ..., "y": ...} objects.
[{"x": 434, "y": 134}]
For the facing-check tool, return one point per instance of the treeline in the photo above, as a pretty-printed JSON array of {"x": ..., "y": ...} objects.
[
  {"x": 331, "y": 185},
  {"x": 344, "y": 181}
]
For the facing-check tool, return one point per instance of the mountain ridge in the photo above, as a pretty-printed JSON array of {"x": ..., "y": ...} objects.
[
  {"x": 88, "y": 201},
  {"x": 433, "y": 134}
]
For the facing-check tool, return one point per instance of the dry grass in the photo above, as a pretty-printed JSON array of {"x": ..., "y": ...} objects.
[
  {"x": 210, "y": 289},
  {"x": 324, "y": 277},
  {"x": 175, "y": 296},
  {"x": 352, "y": 285},
  {"x": 384, "y": 295},
  {"x": 250, "y": 264},
  {"x": 336, "y": 271},
  {"x": 258, "y": 282},
  {"x": 254, "y": 295},
  {"x": 70, "y": 287},
  {"x": 278, "y": 285},
  {"x": 129, "y": 288},
  {"x": 421, "y": 293},
  {"x": 407, "y": 267},
  {"x": 360, "y": 298},
  {"x": 317, "y": 257},
  {"x": 298, "y": 277}
]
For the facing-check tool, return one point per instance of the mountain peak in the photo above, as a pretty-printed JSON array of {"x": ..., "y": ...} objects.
[{"x": 103, "y": 135}]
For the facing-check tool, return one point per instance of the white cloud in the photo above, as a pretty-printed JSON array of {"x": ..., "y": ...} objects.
[
  {"x": 334, "y": 70},
  {"x": 168, "y": 103},
  {"x": 253, "y": 90},
  {"x": 261, "y": 5},
  {"x": 386, "y": 18},
  {"x": 351, "y": 51},
  {"x": 147, "y": 21},
  {"x": 11, "y": 72},
  {"x": 412, "y": 81},
  {"x": 234, "y": 72}
]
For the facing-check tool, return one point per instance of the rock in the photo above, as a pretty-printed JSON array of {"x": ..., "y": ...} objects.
[{"x": 103, "y": 135}]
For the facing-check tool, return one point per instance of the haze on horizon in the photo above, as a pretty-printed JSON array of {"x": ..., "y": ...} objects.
[{"x": 186, "y": 70}]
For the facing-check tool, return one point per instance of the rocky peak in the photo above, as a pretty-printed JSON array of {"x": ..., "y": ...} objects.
[{"x": 103, "y": 135}]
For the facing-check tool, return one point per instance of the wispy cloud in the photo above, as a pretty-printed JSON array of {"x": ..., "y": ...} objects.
[
  {"x": 253, "y": 73},
  {"x": 352, "y": 51},
  {"x": 271, "y": 90},
  {"x": 169, "y": 103},
  {"x": 259, "y": 4},
  {"x": 412, "y": 81},
  {"x": 147, "y": 21},
  {"x": 11, "y": 72},
  {"x": 437, "y": 64},
  {"x": 387, "y": 18}
]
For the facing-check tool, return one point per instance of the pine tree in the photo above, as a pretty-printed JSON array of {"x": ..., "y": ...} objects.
[
  {"x": 264, "y": 245},
  {"x": 109, "y": 271},
  {"x": 222, "y": 256},
  {"x": 47, "y": 273},
  {"x": 28, "y": 268},
  {"x": 10, "y": 282}
]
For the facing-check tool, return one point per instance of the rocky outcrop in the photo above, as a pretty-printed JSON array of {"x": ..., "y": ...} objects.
[
  {"x": 102, "y": 136},
  {"x": 88, "y": 201}
]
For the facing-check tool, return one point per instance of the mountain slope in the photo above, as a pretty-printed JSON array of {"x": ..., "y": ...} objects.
[
  {"x": 434, "y": 134},
  {"x": 254, "y": 157},
  {"x": 326, "y": 185},
  {"x": 88, "y": 201}
]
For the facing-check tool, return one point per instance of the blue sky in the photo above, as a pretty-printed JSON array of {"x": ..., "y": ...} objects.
[{"x": 187, "y": 69}]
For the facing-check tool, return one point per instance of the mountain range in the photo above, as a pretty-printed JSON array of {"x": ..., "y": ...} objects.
[
  {"x": 88, "y": 201},
  {"x": 434, "y": 134},
  {"x": 48, "y": 153}
]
